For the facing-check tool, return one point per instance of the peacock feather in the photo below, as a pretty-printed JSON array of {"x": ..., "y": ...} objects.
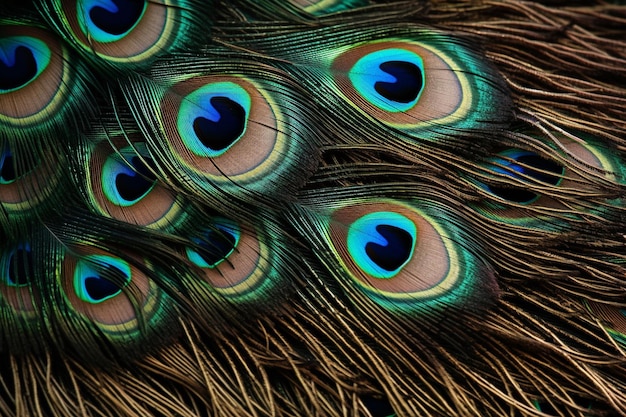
[{"x": 312, "y": 208}]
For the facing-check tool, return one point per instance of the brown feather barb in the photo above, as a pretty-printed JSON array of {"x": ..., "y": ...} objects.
[{"x": 312, "y": 208}]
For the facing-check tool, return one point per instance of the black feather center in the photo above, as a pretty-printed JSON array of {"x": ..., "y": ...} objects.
[
  {"x": 23, "y": 70},
  {"x": 216, "y": 246},
  {"x": 20, "y": 267},
  {"x": 119, "y": 22},
  {"x": 224, "y": 132},
  {"x": 408, "y": 85},
  {"x": 133, "y": 187},
  {"x": 520, "y": 195},
  {"x": 104, "y": 286},
  {"x": 7, "y": 168},
  {"x": 392, "y": 256}
]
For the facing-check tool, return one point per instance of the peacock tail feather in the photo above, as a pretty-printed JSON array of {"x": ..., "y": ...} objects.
[{"x": 312, "y": 208}]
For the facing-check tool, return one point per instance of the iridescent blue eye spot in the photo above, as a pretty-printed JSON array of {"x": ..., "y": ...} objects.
[
  {"x": 391, "y": 79},
  {"x": 529, "y": 164},
  {"x": 215, "y": 244},
  {"x": 382, "y": 243},
  {"x": 98, "y": 278},
  {"x": 22, "y": 59},
  {"x": 7, "y": 167},
  {"x": 109, "y": 20},
  {"x": 19, "y": 267},
  {"x": 213, "y": 118},
  {"x": 219, "y": 135},
  {"x": 9, "y": 172},
  {"x": 392, "y": 255},
  {"x": 408, "y": 84},
  {"x": 137, "y": 183},
  {"x": 127, "y": 177}
]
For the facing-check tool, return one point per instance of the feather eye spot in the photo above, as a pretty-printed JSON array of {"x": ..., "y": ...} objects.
[
  {"x": 219, "y": 135},
  {"x": 382, "y": 243},
  {"x": 123, "y": 184},
  {"x": 110, "y": 20},
  {"x": 404, "y": 257},
  {"x": 386, "y": 248},
  {"x": 133, "y": 186},
  {"x": 397, "y": 250},
  {"x": 242, "y": 142},
  {"x": 403, "y": 83},
  {"x": 519, "y": 164},
  {"x": 114, "y": 294},
  {"x": 28, "y": 179},
  {"x": 235, "y": 261},
  {"x": 407, "y": 85},
  {"x": 513, "y": 173},
  {"x": 98, "y": 278},
  {"x": 124, "y": 34},
  {"x": 213, "y": 118},
  {"x": 10, "y": 172},
  {"x": 215, "y": 245},
  {"x": 133, "y": 178},
  {"x": 390, "y": 79},
  {"x": 98, "y": 289},
  {"x": 18, "y": 64},
  {"x": 230, "y": 132},
  {"x": 7, "y": 168},
  {"x": 18, "y": 272},
  {"x": 34, "y": 75}
]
